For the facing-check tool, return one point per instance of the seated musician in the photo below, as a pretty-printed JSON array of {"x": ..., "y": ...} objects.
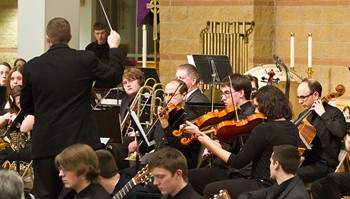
[
  {"x": 334, "y": 185},
  {"x": 133, "y": 79},
  {"x": 113, "y": 181},
  {"x": 190, "y": 75},
  {"x": 169, "y": 119},
  {"x": 277, "y": 130},
  {"x": 235, "y": 90},
  {"x": 330, "y": 126},
  {"x": 10, "y": 154},
  {"x": 78, "y": 167},
  {"x": 284, "y": 163}
]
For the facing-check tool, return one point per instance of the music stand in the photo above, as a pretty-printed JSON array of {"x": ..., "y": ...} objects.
[
  {"x": 139, "y": 130},
  {"x": 204, "y": 64},
  {"x": 108, "y": 123},
  {"x": 150, "y": 73}
]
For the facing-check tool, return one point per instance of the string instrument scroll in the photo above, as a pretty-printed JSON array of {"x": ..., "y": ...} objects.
[
  {"x": 211, "y": 118},
  {"x": 306, "y": 131}
]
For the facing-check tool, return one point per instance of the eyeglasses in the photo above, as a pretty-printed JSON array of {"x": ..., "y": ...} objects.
[
  {"x": 227, "y": 93},
  {"x": 302, "y": 97},
  {"x": 171, "y": 95}
]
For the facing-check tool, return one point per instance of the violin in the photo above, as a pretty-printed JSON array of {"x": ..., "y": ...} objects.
[
  {"x": 210, "y": 118},
  {"x": 228, "y": 130},
  {"x": 175, "y": 112},
  {"x": 306, "y": 131}
]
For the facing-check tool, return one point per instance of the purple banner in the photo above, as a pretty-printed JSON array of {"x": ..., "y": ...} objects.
[{"x": 142, "y": 10}]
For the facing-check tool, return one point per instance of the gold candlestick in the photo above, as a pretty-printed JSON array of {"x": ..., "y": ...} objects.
[{"x": 309, "y": 72}]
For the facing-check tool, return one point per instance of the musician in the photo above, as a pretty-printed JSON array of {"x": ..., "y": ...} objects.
[
  {"x": 277, "y": 130},
  {"x": 133, "y": 80},
  {"x": 57, "y": 88},
  {"x": 334, "y": 185},
  {"x": 26, "y": 126},
  {"x": 110, "y": 177},
  {"x": 284, "y": 163},
  {"x": 14, "y": 78},
  {"x": 4, "y": 71},
  {"x": 255, "y": 83},
  {"x": 190, "y": 75},
  {"x": 78, "y": 167},
  {"x": 169, "y": 169},
  {"x": 330, "y": 126},
  {"x": 174, "y": 96},
  {"x": 235, "y": 90},
  {"x": 100, "y": 47}
]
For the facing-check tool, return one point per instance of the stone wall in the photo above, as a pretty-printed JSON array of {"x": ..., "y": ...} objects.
[
  {"x": 8, "y": 31},
  {"x": 181, "y": 22}
]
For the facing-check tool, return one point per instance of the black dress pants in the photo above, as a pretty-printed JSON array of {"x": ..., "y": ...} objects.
[
  {"x": 199, "y": 178},
  {"x": 47, "y": 183},
  {"x": 310, "y": 173},
  {"x": 335, "y": 185}
]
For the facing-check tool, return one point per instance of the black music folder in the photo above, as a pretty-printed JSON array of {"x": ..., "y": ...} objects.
[
  {"x": 211, "y": 64},
  {"x": 108, "y": 123}
]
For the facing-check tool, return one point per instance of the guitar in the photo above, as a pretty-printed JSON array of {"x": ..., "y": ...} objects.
[
  {"x": 223, "y": 194},
  {"x": 141, "y": 177}
]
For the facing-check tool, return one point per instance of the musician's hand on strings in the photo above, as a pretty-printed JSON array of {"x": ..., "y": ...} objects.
[
  {"x": 318, "y": 107},
  {"x": 163, "y": 116},
  {"x": 191, "y": 128},
  {"x": 132, "y": 146},
  {"x": 114, "y": 39}
]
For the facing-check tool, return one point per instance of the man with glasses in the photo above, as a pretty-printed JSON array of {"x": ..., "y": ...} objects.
[
  {"x": 169, "y": 119},
  {"x": 330, "y": 126},
  {"x": 236, "y": 90}
]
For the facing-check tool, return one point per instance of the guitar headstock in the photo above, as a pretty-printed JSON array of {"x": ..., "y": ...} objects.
[
  {"x": 143, "y": 175},
  {"x": 223, "y": 194}
]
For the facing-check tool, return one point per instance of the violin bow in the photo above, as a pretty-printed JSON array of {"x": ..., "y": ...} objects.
[
  {"x": 156, "y": 120},
  {"x": 104, "y": 12},
  {"x": 233, "y": 100}
]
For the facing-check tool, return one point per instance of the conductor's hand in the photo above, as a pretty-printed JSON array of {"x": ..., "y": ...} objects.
[{"x": 114, "y": 39}]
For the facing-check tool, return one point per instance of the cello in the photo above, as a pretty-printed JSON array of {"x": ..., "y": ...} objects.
[{"x": 306, "y": 131}]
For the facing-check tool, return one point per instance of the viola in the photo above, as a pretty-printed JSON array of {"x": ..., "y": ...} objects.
[
  {"x": 306, "y": 131},
  {"x": 210, "y": 118},
  {"x": 228, "y": 130}
]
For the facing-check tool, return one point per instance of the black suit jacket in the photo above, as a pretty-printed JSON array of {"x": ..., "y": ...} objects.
[
  {"x": 57, "y": 91},
  {"x": 295, "y": 190},
  {"x": 197, "y": 96}
]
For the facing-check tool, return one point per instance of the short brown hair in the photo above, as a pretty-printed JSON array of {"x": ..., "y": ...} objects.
[
  {"x": 170, "y": 159},
  {"x": 58, "y": 30},
  {"x": 99, "y": 26},
  {"x": 288, "y": 156},
  {"x": 133, "y": 73},
  {"x": 79, "y": 158}
]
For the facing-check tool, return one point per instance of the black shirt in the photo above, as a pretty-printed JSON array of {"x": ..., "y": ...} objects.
[{"x": 186, "y": 193}]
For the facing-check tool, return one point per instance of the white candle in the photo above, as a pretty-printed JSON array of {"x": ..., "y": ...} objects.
[
  {"x": 292, "y": 50},
  {"x": 309, "y": 57},
  {"x": 144, "y": 46}
]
